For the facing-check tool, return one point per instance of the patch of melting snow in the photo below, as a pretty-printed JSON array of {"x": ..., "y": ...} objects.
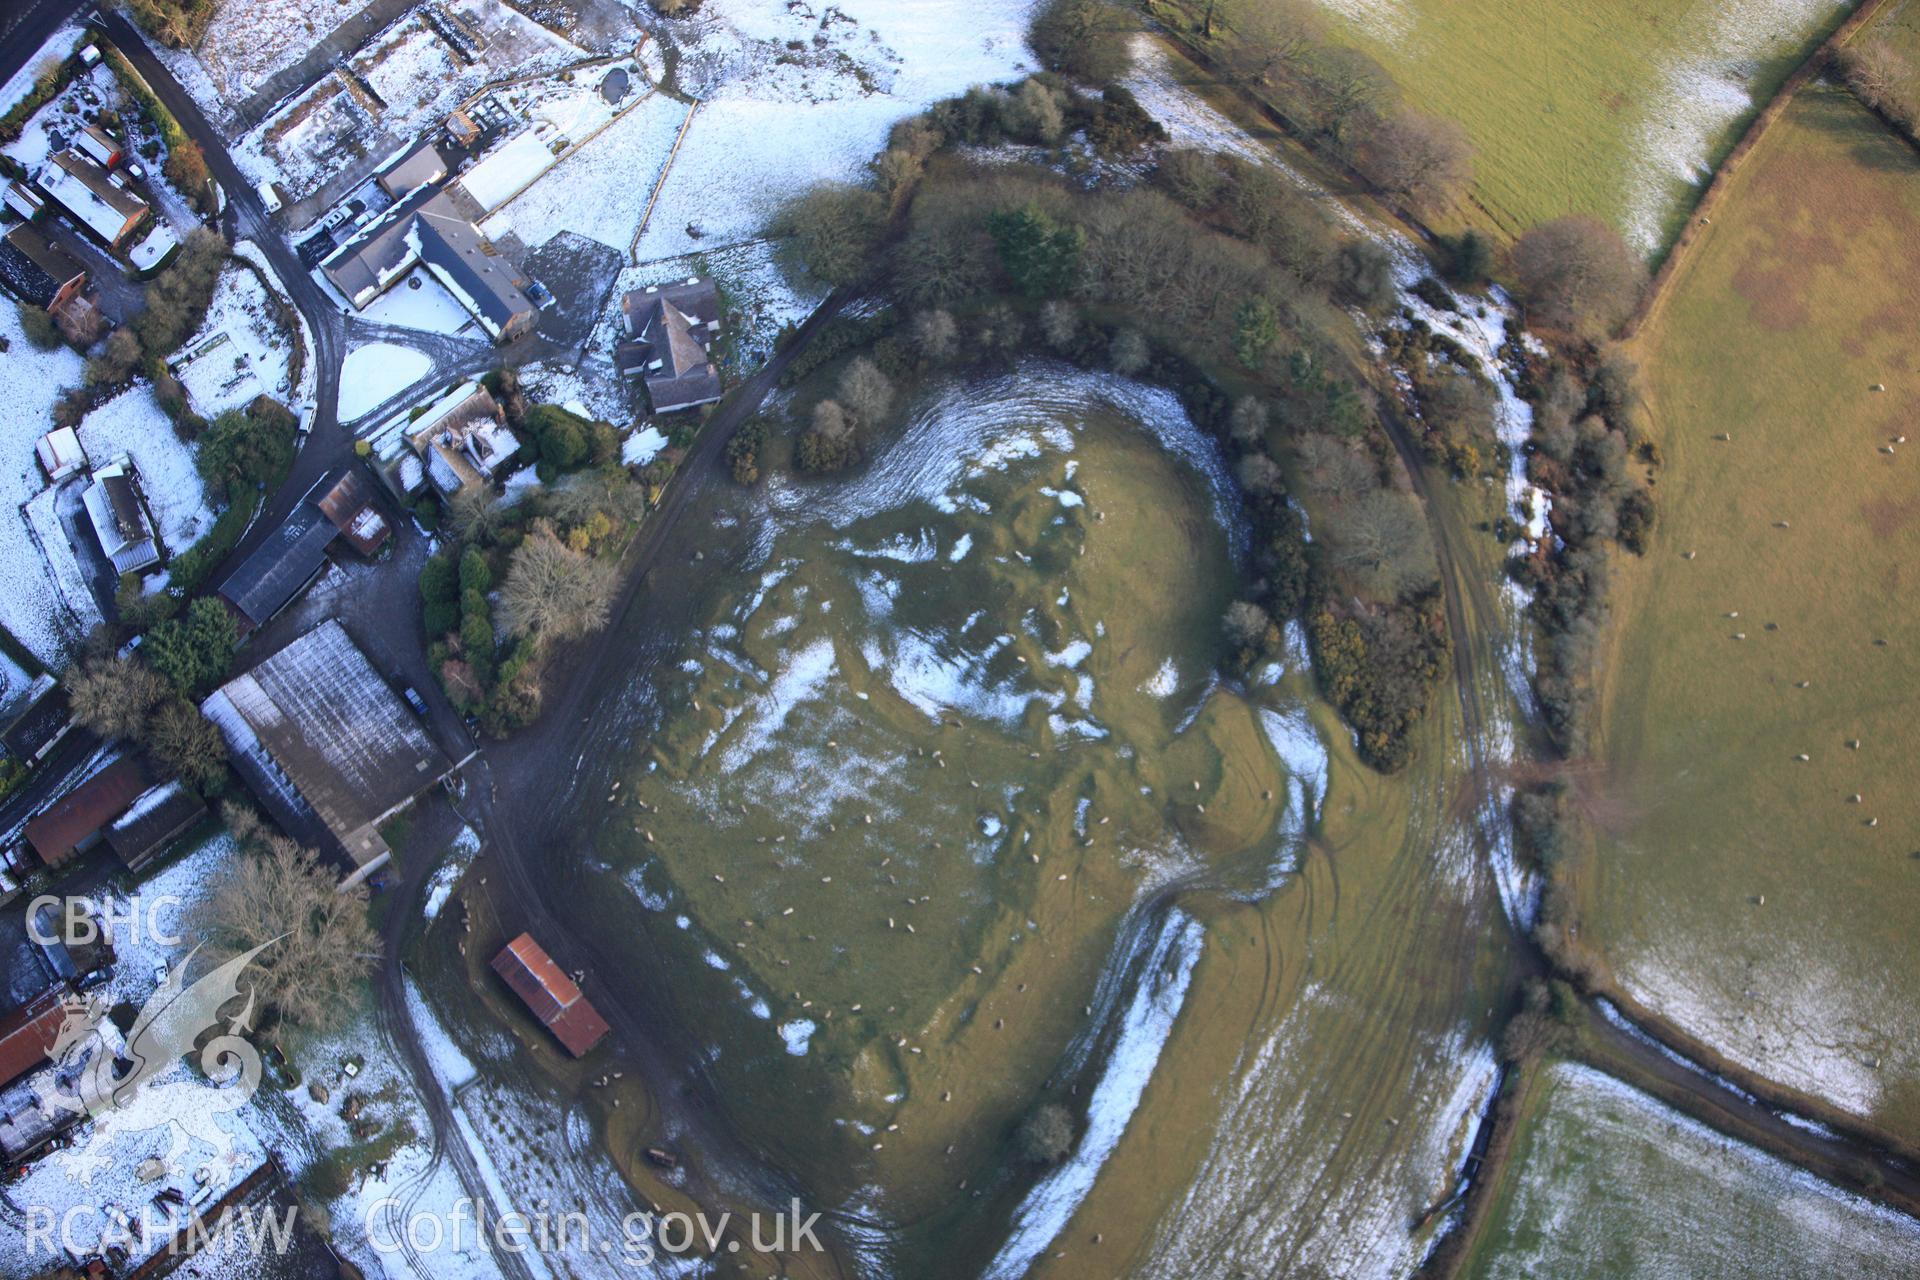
[
  {"x": 1788, "y": 1018},
  {"x": 640, "y": 448},
  {"x": 1705, "y": 92},
  {"x": 1158, "y": 995},
  {"x": 1164, "y": 682},
  {"x": 1695, "y": 1201},
  {"x": 797, "y": 1034}
]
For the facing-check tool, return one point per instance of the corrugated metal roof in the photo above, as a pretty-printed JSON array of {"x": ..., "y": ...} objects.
[
  {"x": 281, "y": 567},
  {"x": 553, "y": 997},
  {"x": 316, "y": 720}
]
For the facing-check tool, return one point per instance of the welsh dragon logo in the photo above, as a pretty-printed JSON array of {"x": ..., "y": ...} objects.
[{"x": 101, "y": 1078}]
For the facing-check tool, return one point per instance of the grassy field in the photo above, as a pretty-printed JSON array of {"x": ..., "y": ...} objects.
[
  {"x": 1615, "y": 108},
  {"x": 1607, "y": 1182},
  {"x": 1739, "y": 889},
  {"x": 1899, "y": 25}
]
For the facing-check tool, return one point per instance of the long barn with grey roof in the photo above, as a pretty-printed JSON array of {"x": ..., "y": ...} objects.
[{"x": 323, "y": 742}]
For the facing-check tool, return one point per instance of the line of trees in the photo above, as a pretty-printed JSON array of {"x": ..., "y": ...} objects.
[
  {"x": 1885, "y": 80},
  {"x": 1337, "y": 97},
  {"x": 1217, "y": 274}
]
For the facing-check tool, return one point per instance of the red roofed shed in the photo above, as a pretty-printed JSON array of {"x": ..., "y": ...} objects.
[
  {"x": 27, "y": 1035},
  {"x": 554, "y": 997},
  {"x": 77, "y": 820}
]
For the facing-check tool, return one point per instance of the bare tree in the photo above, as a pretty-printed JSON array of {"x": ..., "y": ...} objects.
[
  {"x": 322, "y": 944},
  {"x": 1248, "y": 422},
  {"x": 1420, "y": 158},
  {"x": 1059, "y": 324},
  {"x": 114, "y": 696},
  {"x": 935, "y": 336},
  {"x": 1085, "y": 38},
  {"x": 864, "y": 391},
  {"x": 831, "y": 231},
  {"x": 1381, "y": 541},
  {"x": 1348, "y": 85},
  {"x": 1333, "y": 466},
  {"x": 1882, "y": 78},
  {"x": 1577, "y": 273},
  {"x": 1261, "y": 476},
  {"x": 1271, "y": 38},
  {"x": 553, "y": 591},
  {"x": 1247, "y": 625},
  {"x": 1128, "y": 352}
]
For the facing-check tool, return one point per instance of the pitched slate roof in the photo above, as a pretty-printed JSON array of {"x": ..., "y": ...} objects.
[
  {"x": 315, "y": 728},
  {"x": 84, "y": 190},
  {"x": 33, "y": 267},
  {"x": 468, "y": 263},
  {"x": 672, "y": 326},
  {"x": 411, "y": 169},
  {"x": 155, "y": 817},
  {"x": 77, "y": 817},
  {"x": 553, "y": 997},
  {"x": 281, "y": 567}
]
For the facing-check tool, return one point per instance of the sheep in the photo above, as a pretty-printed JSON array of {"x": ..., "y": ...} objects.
[
  {"x": 1803, "y": 757},
  {"x": 1739, "y": 635},
  {"x": 1688, "y": 555}
]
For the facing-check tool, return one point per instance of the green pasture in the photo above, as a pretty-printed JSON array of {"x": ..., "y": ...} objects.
[
  {"x": 1739, "y": 887},
  {"x": 1614, "y": 108}
]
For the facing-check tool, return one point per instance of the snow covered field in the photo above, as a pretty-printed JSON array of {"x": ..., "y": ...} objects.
[
  {"x": 374, "y": 374},
  {"x": 1613, "y": 1183},
  {"x": 31, "y": 602},
  {"x": 599, "y": 192},
  {"x": 242, "y": 351},
  {"x": 770, "y": 121},
  {"x": 132, "y": 423}
]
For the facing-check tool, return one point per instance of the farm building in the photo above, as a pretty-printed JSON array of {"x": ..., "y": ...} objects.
[
  {"x": 39, "y": 723},
  {"x": 75, "y": 823},
  {"x": 38, "y": 271},
  {"x": 280, "y": 568},
  {"x": 60, "y": 454},
  {"x": 157, "y": 816},
  {"x": 553, "y": 997},
  {"x": 345, "y": 497},
  {"x": 327, "y": 747},
  {"x": 119, "y": 519},
  {"x": 436, "y": 228},
  {"x": 23, "y": 201},
  {"x": 484, "y": 280},
  {"x": 669, "y": 329},
  {"x": 410, "y": 169},
  {"x": 92, "y": 198}
]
